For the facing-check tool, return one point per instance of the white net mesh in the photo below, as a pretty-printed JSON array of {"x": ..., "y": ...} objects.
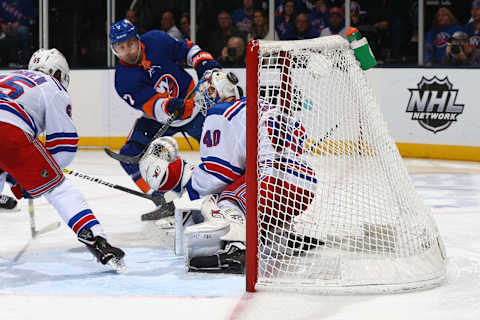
[{"x": 329, "y": 171}]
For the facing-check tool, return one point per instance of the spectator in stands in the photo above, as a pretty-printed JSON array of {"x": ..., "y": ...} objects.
[
  {"x": 355, "y": 18},
  {"x": 259, "y": 28},
  {"x": 233, "y": 54},
  {"x": 220, "y": 36},
  {"x": 459, "y": 9},
  {"x": 379, "y": 16},
  {"x": 185, "y": 25},
  {"x": 200, "y": 36},
  {"x": 473, "y": 31},
  {"x": 334, "y": 3},
  {"x": 319, "y": 16},
  {"x": 473, "y": 27},
  {"x": 337, "y": 23},
  {"x": 130, "y": 16},
  {"x": 475, "y": 10},
  {"x": 437, "y": 38},
  {"x": 16, "y": 19},
  {"x": 303, "y": 29},
  {"x": 243, "y": 18},
  {"x": 147, "y": 14},
  {"x": 168, "y": 25},
  {"x": 460, "y": 53},
  {"x": 284, "y": 24},
  {"x": 298, "y": 6}
]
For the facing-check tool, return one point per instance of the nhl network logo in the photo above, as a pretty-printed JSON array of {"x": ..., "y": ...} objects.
[{"x": 433, "y": 105}]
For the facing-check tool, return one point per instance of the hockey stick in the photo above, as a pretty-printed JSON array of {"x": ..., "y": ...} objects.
[
  {"x": 34, "y": 231},
  {"x": 135, "y": 159},
  {"x": 155, "y": 198},
  {"x": 315, "y": 145}
]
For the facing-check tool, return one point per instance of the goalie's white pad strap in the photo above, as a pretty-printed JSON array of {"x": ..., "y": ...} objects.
[
  {"x": 204, "y": 239},
  {"x": 227, "y": 212},
  {"x": 236, "y": 220}
]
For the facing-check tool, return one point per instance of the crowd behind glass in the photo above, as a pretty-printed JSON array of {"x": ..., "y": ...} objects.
[{"x": 78, "y": 29}]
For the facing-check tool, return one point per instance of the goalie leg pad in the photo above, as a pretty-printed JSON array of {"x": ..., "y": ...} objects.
[
  {"x": 204, "y": 239},
  {"x": 228, "y": 260},
  {"x": 225, "y": 211}
]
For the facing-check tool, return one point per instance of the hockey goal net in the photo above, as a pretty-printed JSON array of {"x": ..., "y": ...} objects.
[{"x": 330, "y": 205}]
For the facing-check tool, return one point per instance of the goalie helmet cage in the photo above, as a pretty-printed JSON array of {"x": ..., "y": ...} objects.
[{"x": 378, "y": 236}]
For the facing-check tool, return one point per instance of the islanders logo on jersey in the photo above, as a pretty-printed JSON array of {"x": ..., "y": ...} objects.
[
  {"x": 441, "y": 39},
  {"x": 474, "y": 41},
  {"x": 167, "y": 86}
]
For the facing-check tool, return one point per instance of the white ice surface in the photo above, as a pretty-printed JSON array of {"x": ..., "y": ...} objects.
[{"x": 57, "y": 279}]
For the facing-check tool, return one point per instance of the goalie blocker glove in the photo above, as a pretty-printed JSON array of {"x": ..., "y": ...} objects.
[{"x": 229, "y": 260}]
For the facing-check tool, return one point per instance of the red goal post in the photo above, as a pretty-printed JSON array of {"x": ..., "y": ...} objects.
[{"x": 330, "y": 205}]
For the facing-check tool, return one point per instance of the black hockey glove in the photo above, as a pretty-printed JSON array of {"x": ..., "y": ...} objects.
[
  {"x": 185, "y": 107},
  {"x": 207, "y": 65}
]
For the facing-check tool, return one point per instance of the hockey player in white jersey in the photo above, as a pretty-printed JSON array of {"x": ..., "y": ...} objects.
[
  {"x": 33, "y": 102},
  {"x": 218, "y": 244}
]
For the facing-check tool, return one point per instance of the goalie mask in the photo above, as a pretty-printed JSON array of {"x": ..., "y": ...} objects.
[
  {"x": 215, "y": 87},
  {"x": 50, "y": 62}
]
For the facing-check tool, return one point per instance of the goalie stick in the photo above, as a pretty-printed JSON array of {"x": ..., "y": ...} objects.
[
  {"x": 135, "y": 159},
  {"x": 154, "y": 198}
]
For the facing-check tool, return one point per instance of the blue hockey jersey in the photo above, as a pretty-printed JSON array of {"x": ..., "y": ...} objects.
[{"x": 148, "y": 85}]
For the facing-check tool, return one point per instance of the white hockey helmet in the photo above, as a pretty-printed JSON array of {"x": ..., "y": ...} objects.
[
  {"x": 216, "y": 86},
  {"x": 49, "y": 61}
]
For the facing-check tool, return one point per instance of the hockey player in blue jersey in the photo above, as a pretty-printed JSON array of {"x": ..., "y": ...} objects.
[{"x": 149, "y": 78}]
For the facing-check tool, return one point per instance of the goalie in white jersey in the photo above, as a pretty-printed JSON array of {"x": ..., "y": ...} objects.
[
  {"x": 33, "y": 102},
  {"x": 218, "y": 244}
]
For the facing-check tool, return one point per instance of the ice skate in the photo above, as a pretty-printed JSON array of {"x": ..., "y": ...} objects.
[
  {"x": 8, "y": 204},
  {"x": 102, "y": 250}
]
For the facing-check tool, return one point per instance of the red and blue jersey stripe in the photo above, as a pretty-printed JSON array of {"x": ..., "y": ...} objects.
[
  {"x": 221, "y": 169},
  {"x": 237, "y": 195},
  {"x": 291, "y": 167},
  {"x": 21, "y": 113},
  {"x": 83, "y": 219},
  {"x": 61, "y": 142},
  {"x": 228, "y": 109}
]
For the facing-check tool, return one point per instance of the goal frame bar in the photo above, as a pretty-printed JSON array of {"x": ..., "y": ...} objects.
[{"x": 251, "y": 165}]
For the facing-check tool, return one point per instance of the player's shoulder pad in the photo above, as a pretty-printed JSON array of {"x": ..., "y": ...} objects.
[
  {"x": 154, "y": 35},
  {"x": 219, "y": 108},
  {"x": 228, "y": 109},
  {"x": 127, "y": 78}
]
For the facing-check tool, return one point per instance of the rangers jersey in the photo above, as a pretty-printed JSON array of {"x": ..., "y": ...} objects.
[
  {"x": 38, "y": 103},
  {"x": 159, "y": 76},
  {"x": 223, "y": 149}
]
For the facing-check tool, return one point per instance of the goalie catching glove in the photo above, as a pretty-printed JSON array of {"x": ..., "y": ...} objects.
[{"x": 162, "y": 169}]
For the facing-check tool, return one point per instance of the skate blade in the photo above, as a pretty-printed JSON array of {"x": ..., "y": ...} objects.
[
  {"x": 16, "y": 209},
  {"x": 118, "y": 265}
]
